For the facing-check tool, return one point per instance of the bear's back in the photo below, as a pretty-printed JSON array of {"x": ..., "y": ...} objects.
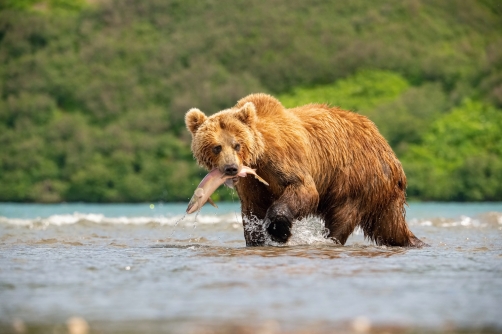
[{"x": 338, "y": 136}]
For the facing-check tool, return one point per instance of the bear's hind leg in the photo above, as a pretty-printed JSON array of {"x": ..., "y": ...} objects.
[
  {"x": 387, "y": 227},
  {"x": 341, "y": 220}
]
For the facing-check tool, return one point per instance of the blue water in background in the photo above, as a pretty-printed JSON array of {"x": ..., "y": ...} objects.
[{"x": 415, "y": 210}]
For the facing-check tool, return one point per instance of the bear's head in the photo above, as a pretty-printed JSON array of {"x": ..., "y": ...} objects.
[{"x": 226, "y": 140}]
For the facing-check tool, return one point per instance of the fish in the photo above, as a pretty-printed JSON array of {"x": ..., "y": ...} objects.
[{"x": 211, "y": 182}]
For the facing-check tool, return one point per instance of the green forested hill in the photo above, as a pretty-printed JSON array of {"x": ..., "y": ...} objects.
[{"x": 93, "y": 94}]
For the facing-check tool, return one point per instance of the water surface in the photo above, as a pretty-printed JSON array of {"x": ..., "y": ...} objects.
[{"x": 141, "y": 268}]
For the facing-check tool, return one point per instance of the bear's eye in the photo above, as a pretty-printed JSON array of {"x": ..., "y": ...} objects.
[
  {"x": 238, "y": 147},
  {"x": 217, "y": 149}
]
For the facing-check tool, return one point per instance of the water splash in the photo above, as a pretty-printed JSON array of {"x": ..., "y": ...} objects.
[
  {"x": 194, "y": 226},
  {"x": 307, "y": 231},
  {"x": 232, "y": 193},
  {"x": 176, "y": 224}
]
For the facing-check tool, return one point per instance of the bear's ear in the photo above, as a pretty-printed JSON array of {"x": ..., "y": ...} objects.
[
  {"x": 193, "y": 119},
  {"x": 247, "y": 114}
]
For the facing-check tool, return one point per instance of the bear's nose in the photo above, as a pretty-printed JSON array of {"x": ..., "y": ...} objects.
[{"x": 231, "y": 169}]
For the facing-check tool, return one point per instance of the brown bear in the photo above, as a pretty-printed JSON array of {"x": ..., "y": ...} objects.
[{"x": 319, "y": 161}]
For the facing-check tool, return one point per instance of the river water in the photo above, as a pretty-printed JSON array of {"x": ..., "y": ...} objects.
[{"x": 143, "y": 268}]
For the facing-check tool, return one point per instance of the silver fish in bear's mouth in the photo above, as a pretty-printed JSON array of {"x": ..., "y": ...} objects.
[{"x": 211, "y": 182}]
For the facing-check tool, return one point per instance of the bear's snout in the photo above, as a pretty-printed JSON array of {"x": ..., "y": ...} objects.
[{"x": 231, "y": 169}]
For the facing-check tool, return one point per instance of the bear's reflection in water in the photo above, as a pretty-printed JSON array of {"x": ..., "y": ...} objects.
[{"x": 314, "y": 252}]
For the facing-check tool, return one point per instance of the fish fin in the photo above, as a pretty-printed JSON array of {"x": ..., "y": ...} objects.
[
  {"x": 261, "y": 180},
  {"x": 212, "y": 202}
]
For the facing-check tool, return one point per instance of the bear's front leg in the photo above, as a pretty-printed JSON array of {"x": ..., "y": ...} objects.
[
  {"x": 278, "y": 222},
  {"x": 296, "y": 202}
]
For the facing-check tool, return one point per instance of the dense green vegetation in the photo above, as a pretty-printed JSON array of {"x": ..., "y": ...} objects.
[
  {"x": 93, "y": 93},
  {"x": 459, "y": 156}
]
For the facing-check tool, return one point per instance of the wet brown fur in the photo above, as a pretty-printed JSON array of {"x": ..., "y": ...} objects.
[{"x": 319, "y": 160}]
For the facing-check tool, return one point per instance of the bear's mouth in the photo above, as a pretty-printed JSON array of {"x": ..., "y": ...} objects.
[{"x": 212, "y": 181}]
